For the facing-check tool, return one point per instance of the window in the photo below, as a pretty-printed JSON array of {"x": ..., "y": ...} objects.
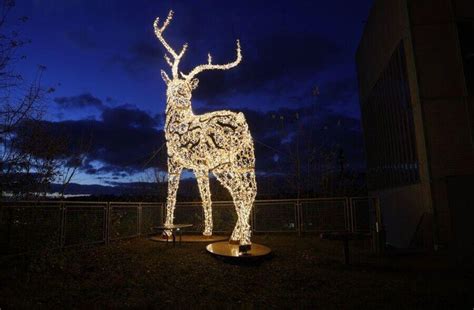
[{"x": 388, "y": 128}]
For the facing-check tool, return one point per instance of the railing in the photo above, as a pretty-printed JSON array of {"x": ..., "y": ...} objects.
[{"x": 26, "y": 226}]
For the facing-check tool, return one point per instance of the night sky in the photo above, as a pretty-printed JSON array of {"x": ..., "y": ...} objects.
[{"x": 104, "y": 61}]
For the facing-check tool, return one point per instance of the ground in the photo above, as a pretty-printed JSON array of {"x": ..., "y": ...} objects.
[{"x": 303, "y": 272}]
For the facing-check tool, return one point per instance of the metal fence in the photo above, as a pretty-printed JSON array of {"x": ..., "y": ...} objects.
[{"x": 26, "y": 226}]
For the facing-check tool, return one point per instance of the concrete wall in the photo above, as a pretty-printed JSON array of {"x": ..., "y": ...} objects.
[
  {"x": 446, "y": 107},
  {"x": 402, "y": 210},
  {"x": 403, "y": 207},
  {"x": 442, "y": 111},
  {"x": 385, "y": 27}
]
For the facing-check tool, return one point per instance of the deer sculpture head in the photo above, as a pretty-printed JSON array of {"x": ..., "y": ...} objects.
[
  {"x": 218, "y": 142},
  {"x": 180, "y": 85}
]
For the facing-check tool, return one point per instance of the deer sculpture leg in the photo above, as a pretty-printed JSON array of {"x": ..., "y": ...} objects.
[
  {"x": 241, "y": 234},
  {"x": 203, "y": 183},
  {"x": 245, "y": 233},
  {"x": 174, "y": 173},
  {"x": 241, "y": 186},
  {"x": 244, "y": 204},
  {"x": 235, "y": 237}
]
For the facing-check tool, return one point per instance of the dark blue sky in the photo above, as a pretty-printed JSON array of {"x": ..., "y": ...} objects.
[{"x": 104, "y": 61}]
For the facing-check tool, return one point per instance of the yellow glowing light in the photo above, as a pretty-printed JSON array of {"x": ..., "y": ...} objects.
[{"x": 218, "y": 142}]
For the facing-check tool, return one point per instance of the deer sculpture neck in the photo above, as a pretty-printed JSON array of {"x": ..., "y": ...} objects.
[
  {"x": 218, "y": 142},
  {"x": 178, "y": 97}
]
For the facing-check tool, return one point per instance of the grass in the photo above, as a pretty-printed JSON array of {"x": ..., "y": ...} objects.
[{"x": 303, "y": 272}]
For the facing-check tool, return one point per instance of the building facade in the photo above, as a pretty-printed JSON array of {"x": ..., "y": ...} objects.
[{"x": 415, "y": 65}]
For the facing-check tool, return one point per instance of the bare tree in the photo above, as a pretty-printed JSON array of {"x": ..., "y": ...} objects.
[
  {"x": 19, "y": 102},
  {"x": 71, "y": 160},
  {"x": 314, "y": 164}
]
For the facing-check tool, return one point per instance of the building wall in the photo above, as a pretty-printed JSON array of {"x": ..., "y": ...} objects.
[
  {"x": 404, "y": 206},
  {"x": 402, "y": 212},
  {"x": 442, "y": 103},
  {"x": 447, "y": 110},
  {"x": 385, "y": 27}
]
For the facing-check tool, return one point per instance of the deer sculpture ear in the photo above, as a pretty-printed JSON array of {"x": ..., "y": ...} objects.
[
  {"x": 165, "y": 77},
  {"x": 194, "y": 83}
]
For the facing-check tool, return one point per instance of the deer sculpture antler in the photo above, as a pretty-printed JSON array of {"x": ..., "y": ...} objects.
[
  {"x": 177, "y": 56},
  {"x": 211, "y": 66}
]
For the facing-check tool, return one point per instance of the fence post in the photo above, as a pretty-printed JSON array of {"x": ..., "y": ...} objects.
[
  {"x": 299, "y": 221},
  {"x": 62, "y": 229},
  {"x": 9, "y": 229},
  {"x": 139, "y": 228},
  {"x": 350, "y": 214},
  {"x": 163, "y": 212},
  {"x": 107, "y": 222},
  {"x": 379, "y": 238}
]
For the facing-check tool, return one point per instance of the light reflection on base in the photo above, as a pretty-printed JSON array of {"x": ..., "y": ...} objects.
[
  {"x": 226, "y": 249},
  {"x": 191, "y": 238}
]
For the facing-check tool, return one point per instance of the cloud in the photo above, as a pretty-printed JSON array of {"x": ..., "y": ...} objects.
[
  {"x": 125, "y": 116},
  {"x": 341, "y": 96},
  {"x": 340, "y": 90},
  {"x": 80, "y": 101},
  {"x": 122, "y": 140}
]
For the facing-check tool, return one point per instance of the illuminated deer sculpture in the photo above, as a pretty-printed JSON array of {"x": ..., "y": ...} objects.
[{"x": 219, "y": 143}]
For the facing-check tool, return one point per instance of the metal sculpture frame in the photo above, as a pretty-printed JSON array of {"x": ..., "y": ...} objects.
[{"x": 218, "y": 142}]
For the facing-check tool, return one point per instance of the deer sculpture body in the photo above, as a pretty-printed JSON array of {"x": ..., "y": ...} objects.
[{"x": 218, "y": 142}]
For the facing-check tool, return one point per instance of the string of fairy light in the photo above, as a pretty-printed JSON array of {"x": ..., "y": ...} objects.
[{"x": 218, "y": 142}]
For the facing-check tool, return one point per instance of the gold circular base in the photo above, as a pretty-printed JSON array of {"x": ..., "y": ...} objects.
[
  {"x": 226, "y": 249},
  {"x": 191, "y": 238}
]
